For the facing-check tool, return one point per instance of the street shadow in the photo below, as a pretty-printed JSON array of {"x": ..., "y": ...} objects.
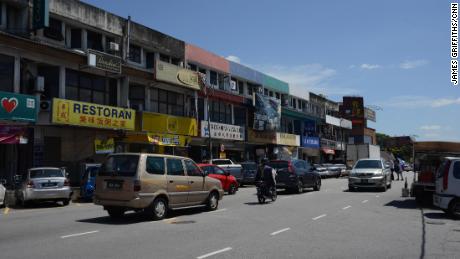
[
  {"x": 255, "y": 203},
  {"x": 436, "y": 215},
  {"x": 36, "y": 205},
  {"x": 364, "y": 189},
  {"x": 403, "y": 204}
]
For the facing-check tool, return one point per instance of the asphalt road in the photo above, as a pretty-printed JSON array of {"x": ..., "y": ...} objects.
[{"x": 331, "y": 223}]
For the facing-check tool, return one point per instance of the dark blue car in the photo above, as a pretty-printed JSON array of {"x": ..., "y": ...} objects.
[{"x": 88, "y": 181}]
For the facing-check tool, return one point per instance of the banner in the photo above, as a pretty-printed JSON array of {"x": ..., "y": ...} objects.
[
  {"x": 104, "y": 146},
  {"x": 92, "y": 115},
  {"x": 310, "y": 142},
  {"x": 169, "y": 140},
  {"x": 369, "y": 114},
  {"x": 173, "y": 74},
  {"x": 267, "y": 115},
  {"x": 18, "y": 107},
  {"x": 168, "y": 124},
  {"x": 222, "y": 131},
  {"x": 287, "y": 139}
]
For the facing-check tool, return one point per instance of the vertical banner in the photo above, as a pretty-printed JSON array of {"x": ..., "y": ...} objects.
[{"x": 267, "y": 115}]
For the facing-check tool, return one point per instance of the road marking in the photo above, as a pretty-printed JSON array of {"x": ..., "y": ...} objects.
[
  {"x": 80, "y": 234},
  {"x": 320, "y": 216},
  {"x": 347, "y": 207},
  {"x": 279, "y": 231},
  {"x": 214, "y": 253},
  {"x": 364, "y": 201},
  {"x": 218, "y": 211},
  {"x": 376, "y": 196}
]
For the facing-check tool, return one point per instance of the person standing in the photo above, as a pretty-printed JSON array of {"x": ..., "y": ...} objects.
[{"x": 397, "y": 169}]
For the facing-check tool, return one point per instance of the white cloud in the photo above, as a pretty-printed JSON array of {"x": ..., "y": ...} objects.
[
  {"x": 307, "y": 78},
  {"x": 369, "y": 66},
  {"x": 233, "y": 58},
  {"x": 430, "y": 127},
  {"x": 410, "y": 64},
  {"x": 418, "y": 101}
]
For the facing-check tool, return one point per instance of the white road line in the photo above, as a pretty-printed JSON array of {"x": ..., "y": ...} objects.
[
  {"x": 214, "y": 253},
  {"x": 364, "y": 201},
  {"x": 80, "y": 234},
  {"x": 279, "y": 231},
  {"x": 218, "y": 211},
  {"x": 320, "y": 216},
  {"x": 376, "y": 196},
  {"x": 286, "y": 197},
  {"x": 347, "y": 207}
]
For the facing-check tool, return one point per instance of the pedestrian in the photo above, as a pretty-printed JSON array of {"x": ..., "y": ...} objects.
[{"x": 397, "y": 169}]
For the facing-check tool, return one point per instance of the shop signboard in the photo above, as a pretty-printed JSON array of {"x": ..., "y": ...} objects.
[
  {"x": 310, "y": 142},
  {"x": 92, "y": 115},
  {"x": 18, "y": 107},
  {"x": 169, "y": 140},
  {"x": 222, "y": 131},
  {"x": 369, "y": 114},
  {"x": 168, "y": 124},
  {"x": 104, "y": 146},
  {"x": 173, "y": 74},
  {"x": 104, "y": 61},
  {"x": 287, "y": 139},
  {"x": 263, "y": 137},
  {"x": 267, "y": 115},
  {"x": 310, "y": 126}
]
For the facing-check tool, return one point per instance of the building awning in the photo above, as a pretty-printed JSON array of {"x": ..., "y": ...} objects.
[
  {"x": 328, "y": 151},
  {"x": 297, "y": 114},
  {"x": 12, "y": 135}
]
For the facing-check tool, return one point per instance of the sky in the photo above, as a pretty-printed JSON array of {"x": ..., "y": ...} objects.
[{"x": 396, "y": 54}]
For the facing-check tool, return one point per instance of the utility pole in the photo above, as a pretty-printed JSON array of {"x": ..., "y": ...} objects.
[{"x": 204, "y": 87}]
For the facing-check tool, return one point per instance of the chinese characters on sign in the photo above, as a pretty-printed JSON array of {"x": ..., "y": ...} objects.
[{"x": 222, "y": 131}]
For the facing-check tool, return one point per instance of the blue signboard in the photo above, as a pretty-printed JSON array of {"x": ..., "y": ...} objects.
[
  {"x": 311, "y": 142},
  {"x": 310, "y": 127}
]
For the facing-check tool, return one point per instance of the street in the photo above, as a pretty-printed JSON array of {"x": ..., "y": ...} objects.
[{"x": 331, "y": 223}]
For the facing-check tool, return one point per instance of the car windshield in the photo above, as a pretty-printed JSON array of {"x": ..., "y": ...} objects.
[
  {"x": 43, "y": 173},
  {"x": 249, "y": 166},
  {"x": 278, "y": 164},
  {"x": 373, "y": 164},
  {"x": 120, "y": 165},
  {"x": 221, "y": 162}
]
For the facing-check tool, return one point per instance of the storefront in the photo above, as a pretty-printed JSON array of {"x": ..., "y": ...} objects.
[
  {"x": 287, "y": 146},
  {"x": 260, "y": 144},
  {"x": 162, "y": 134},
  {"x": 273, "y": 145},
  {"x": 309, "y": 149},
  {"x": 17, "y": 114}
]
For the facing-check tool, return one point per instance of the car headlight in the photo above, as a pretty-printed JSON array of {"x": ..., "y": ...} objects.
[{"x": 379, "y": 174}]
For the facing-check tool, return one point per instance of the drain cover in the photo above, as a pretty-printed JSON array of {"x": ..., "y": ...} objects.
[{"x": 183, "y": 222}]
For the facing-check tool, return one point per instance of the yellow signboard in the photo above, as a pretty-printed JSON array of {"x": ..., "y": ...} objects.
[
  {"x": 104, "y": 147},
  {"x": 168, "y": 124},
  {"x": 92, "y": 115},
  {"x": 169, "y": 140},
  {"x": 264, "y": 137},
  {"x": 173, "y": 74},
  {"x": 287, "y": 139}
]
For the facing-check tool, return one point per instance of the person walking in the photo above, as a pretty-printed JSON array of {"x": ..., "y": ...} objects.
[{"x": 397, "y": 169}]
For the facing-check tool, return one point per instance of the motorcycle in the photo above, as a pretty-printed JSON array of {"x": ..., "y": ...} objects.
[{"x": 263, "y": 193}]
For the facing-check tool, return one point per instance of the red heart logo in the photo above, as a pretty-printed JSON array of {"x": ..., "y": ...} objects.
[{"x": 9, "y": 104}]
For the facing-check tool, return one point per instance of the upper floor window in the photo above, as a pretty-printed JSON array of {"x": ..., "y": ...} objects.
[
  {"x": 89, "y": 88},
  {"x": 277, "y": 96},
  {"x": 192, "y": 67},
  {"x": 213, "y": 77},
  {"x": 6, "y": 73},
  {"x": 175, "y": 61},
  {"x": 265, "y": 91},
  {"x": 137, "y": 97},
  {"x": 75, "y": 38},
  {"x": 150, "y": 60},
  {"x": 167, "y": 102},
  {"x": 240, "y": 87},
  {"x": 54, "y": 30},
  {"x": 164, "y": 58},
  {"x": 94, "y": 41},
  {"x": 135, "y": 53}
]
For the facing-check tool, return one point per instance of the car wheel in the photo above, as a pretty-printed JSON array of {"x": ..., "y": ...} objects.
[
  {"x": 115, "y": 212},
  {"x": 317, "y": 186},
  {"x": 232, "y": 189},
  {"x": 158, "y": 209},
  {"x": 384, "y": 187},
  {"x": 299, "y": 188},
  {"x": 261, "y": 199},
  {"x": 454, "y": 209},
  {"x": 66, "y": 202},
  {"x": 213, "y": 201}
]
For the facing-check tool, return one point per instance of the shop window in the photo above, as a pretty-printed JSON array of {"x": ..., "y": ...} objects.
[
  {"x": 54, "y": 30},
  {"x": 90, "y": 88},
  {"x": 94, "y": 41},
  {"x": 137, "y": 97},
  {"x": 213, "y": 78},
  {"x": 75, "y": 38},
  {"x": 240, "y": 87},
  {"x": 6, "y": 73},
  {"x": 135, "y": 53},
  {"x": 167, "y": 102}
]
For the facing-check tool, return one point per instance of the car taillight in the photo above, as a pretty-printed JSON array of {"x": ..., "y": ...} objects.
[
  {"x": 66, "y": 182},
  {"x": 445, "y": 177},
  {"x": 290, "y": 168},
  {"x": 30, "y": 184},
  {"x": 137, "y": 186}
]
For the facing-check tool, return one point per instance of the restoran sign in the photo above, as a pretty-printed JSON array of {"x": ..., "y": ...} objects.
[
  {"x": 92, "y": 115},
  {"x": 222, "y": 131}
]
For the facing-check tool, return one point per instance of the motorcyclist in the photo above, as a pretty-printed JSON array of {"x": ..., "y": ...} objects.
[{"x": 267, "y": 175}]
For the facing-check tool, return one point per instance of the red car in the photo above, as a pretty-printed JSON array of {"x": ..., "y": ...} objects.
[{"x": 229, "y": 183}]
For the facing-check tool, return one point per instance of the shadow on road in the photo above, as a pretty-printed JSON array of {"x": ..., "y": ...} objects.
[
  {"x": 38, "y": 205},
  {"x": 436, "y": 215},
  {"x": 403, "y": 204}
]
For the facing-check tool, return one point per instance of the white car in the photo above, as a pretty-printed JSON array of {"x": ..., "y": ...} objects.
[
  {"x": 2, "y": 193},
  {"x": 447, "y": 196},
  {"x": 370, "y": 172}
]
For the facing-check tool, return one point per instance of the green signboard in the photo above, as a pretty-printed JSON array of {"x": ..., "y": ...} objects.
[
  {"x": 40, "y": 14},
  {"x": 18, "y": 107}
]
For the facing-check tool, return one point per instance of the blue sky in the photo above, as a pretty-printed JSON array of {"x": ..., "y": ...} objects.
[{"x": 396, "y": 54}]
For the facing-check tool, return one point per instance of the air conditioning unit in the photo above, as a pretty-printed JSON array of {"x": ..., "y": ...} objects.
[
  {"x": 233, "y": 85},
  {"x": 113, "y": 46},
  {"x": 45, "y": 106}
]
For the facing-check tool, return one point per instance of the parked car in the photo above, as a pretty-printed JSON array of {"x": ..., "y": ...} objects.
[
  {"x": 295, "y": 175},
  {"x": 2, "y": 192},
  {"x": 333, "y": 169},
  {"x": 228, "y": 181},
  {"x": 44, "y": 184},
  {"x": 343, "y": 169},
  {"x": 154, "y": 184},
  {"x": 88, "y": 181},
  {"x": 229, "y": 166},
  {"x": 321, "y": 170},
  {"x": 249, "y": 170},
  {"x": 370, "y": 172},
  {"x": 447, "y": 196}
]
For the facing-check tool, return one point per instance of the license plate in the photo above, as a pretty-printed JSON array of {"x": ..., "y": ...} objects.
[
  {"x": 114, "y": 185},
  {"x": 364, "y": 180},
  {"x": 48, "y": 184}
]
